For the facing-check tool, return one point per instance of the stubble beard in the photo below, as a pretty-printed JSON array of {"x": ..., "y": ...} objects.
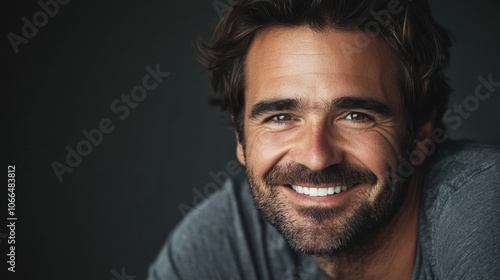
[{"x": 330, "y": 230}]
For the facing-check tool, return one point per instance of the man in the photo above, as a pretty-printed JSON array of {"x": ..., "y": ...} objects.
[{"x": 337, "y": 109}]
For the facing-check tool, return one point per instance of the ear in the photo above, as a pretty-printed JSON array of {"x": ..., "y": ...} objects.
[
  {"x": 421, "y": 147},
  {"x": 425, "y": 131},
  {"x": 240, "y": 154}
]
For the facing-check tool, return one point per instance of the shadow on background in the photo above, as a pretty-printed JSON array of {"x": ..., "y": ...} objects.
[{"x": 149, "y": 159}]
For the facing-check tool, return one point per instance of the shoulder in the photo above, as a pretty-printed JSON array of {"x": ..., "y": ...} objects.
[
  {"x": 201, "y": 237},
  {"x": 459, "y": 161},
  {"x": 460, "y": 213}
]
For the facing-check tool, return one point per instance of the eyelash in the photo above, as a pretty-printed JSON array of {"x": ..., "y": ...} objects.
[
  {"x": 278, "y": 122},
  {"x": 367, "y": 118}
]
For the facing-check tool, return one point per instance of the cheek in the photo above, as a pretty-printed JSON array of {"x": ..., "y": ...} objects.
[
  {"x": 374, "y": 150},
  {"x": 264, "y": 150}
]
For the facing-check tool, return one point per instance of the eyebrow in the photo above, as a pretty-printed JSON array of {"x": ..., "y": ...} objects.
[
  {"x": 346, "y": 102},
  {"x": 368, "y": 104},
  {"x": 273, "y": 105}
]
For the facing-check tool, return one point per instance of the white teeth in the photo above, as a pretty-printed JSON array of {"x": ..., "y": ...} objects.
[
  {"x": 313, "y": 191},
  {"x": 320, "y": 191}
]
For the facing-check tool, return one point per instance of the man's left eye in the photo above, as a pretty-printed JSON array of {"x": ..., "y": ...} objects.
[{"x": 355, "y": 116}]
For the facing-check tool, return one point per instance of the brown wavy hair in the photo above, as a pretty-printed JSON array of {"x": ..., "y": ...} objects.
[{"x": 420, "y": 45}]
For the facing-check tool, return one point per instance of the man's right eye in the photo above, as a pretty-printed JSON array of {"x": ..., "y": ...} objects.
[{"x": 279, "y": 119}]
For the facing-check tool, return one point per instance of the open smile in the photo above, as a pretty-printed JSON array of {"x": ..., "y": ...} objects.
[{"x": 322, "y": 191}]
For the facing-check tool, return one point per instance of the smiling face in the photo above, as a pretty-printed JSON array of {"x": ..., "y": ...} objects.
[{"x": 323, "y": 128}]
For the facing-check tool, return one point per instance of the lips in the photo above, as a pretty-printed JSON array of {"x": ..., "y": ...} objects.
[{"x": 326, "y": 191}]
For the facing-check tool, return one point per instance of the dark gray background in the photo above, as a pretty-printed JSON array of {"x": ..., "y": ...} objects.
[{"x": 117, "y": 207}]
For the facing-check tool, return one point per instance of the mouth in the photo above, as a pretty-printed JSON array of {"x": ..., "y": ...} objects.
[{"x": 323, "y": 191}]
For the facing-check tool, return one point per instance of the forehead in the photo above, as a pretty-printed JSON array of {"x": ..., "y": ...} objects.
[{"x": 285, "y": 62}]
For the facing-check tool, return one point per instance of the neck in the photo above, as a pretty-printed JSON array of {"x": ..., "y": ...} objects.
[{"x": 390, "y": 254}]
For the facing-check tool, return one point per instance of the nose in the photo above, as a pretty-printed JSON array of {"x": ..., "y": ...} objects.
[{"x": 316, "y": 148}]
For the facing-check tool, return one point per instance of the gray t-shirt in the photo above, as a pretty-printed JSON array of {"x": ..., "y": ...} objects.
[{"x": 226, "y": 238}]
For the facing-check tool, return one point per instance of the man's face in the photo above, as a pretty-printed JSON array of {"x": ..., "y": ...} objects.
[{"x": 323, "y": 126}]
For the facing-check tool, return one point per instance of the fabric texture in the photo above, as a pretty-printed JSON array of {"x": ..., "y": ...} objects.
[{"x": 459, "y": 226}]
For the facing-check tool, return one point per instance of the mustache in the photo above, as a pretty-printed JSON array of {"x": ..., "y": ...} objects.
[{"x": 339, "y": 174}]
